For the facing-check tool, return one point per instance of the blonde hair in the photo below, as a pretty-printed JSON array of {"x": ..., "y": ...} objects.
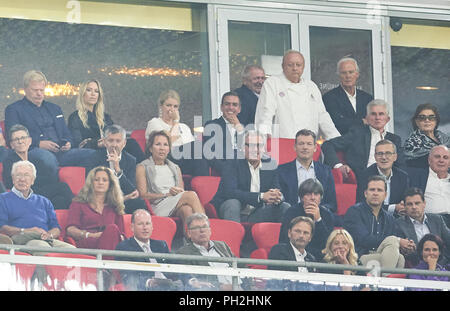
[
  {"x": 99, "y": 107},
  {"x": 33, "y": 75},
  {"x": 168, "y": 94},
  {"x": 352, "y": 257},
  {"x": 114, "y": 195}
]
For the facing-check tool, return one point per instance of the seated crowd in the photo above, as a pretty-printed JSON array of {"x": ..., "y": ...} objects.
[{"x": 400, "y": 215}]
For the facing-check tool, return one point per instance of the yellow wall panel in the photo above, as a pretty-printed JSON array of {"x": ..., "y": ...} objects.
[
  {"x": 433, "y": 37},
  {"x": 125, "y": 15}
]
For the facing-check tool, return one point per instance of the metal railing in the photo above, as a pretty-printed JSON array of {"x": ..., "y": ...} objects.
[{"x": 235, "y": 270}]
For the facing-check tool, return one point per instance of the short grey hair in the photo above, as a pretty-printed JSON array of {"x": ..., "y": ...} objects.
[
  {"x": 18, "y": 164},
  {"x": 16, "y": 128},
  {"x": 248, "y": 69},
  {"x": 386, "y": 142},
  {"x": 196, "y": 216},
  {"x": 346, "y": 59},
  {"x": 33, "y": 75},
  {"x": 291, "y": 52},
  {"x": 114, "y": 129},
  {"x": 139, "y": 211},
  {"x": 377, "y": 102}
]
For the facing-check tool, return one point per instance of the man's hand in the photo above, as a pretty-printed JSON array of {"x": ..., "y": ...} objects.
[
  {"x": 400, "y": 208},
  {"x": 132, "y": 195},
  {"x": 84, "y": 142},
  {"x": 345, "y": 170},
  {"x": 312, "y": 209},
  {"x": 49, "y": 145},
  {"x": 273, "y": 196},
  {"x": 66, "y": 147},
  {"x": 113, "y": 157}
]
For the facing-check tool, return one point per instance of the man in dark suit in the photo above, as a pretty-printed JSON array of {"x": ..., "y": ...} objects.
[
  {"x": 292, "y": 174},
  {"x": 222, "y": 137},
  {"x": 249, "y": 189},
  {"x": 358, "y": 145},
  {"x": 142, "y": 228},
  {"x": 123, "y": 165},
  {"x": 345, "y": 103},
  {"x": 253, "y": 78},
  {"x": 397, "y": 179},
  {"x": 51, "y": 138},
  {"x": 301, "y": 232},
  {"x": 310, "y": 193},
  {"x": 416, "y": 223}
]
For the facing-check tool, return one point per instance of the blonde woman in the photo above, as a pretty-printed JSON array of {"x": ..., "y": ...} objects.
[
  {"x": 89, "y": 120},
  {"x": 95, "y": 215},
  {"x": 169, "y": 120},
  {"x": 340, "y": 249}
]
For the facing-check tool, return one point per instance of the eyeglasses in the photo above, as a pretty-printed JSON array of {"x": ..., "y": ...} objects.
[
  {"x": 422, "y": 117},
  {"x": 16, "y": 140},
  {"x": 388, "y": 154},
  {"x": 199, "y": 227}
]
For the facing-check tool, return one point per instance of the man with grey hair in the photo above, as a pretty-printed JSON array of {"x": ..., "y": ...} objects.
[
  {"x": 292, "y": 102},
  {"x": 28, "y": 218},
  {"x": 310, "y": 193},
  {"x": 358, "y": 145},
  {"x": 122, "y": 164},
  {"x": 346, "y": 104},
  {"x": 200, "y": 244},
  {"x": 253, "y": 78},
  {"x": 45, "y": 122}
]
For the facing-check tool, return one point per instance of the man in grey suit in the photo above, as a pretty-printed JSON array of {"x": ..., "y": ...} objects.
[
  {"x": 416, "y": 223},
  {"x": 199, "y": 234}
]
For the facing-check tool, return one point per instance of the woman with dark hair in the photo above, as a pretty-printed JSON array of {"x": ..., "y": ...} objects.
[
  {"x": 160, "y": 181},
  {"x": 87, "y": 123},
  {"x": 430, "y": 250},
  {"x": 95, "y": 215},
  {"x": 424, "y": 137}
]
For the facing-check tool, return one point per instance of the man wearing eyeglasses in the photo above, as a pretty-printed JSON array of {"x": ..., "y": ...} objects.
[
  {"x": 249, "y": 190},
  {"x": 358, "y": 145},
  {"x": 46, "y": 183},
  {"x": 199, "y": 234},
  {"x": 397, "y": 180}
]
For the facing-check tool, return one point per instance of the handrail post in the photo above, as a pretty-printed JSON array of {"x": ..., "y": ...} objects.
[{"x": 100, "y": 281}]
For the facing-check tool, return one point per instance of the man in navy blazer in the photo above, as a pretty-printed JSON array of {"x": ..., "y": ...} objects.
[
  {"x": 358, "y": 145},
  {"x": 142, "y": 228},
  {"x": 416, "y": 223},
  {"x": 249, "y": 189},
  {"x": 345, "y": 103},
  {"x": 253, "y": 78},
  {"x": 123, "y": 165},
  {"x": 46, "y": 124},
  {"x": 397, "y": 179},
  {"x": 292, "y": 174},
  {"x": 222, "y": 137}
]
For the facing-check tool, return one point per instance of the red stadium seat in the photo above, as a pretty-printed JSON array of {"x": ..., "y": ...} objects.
[
  {"x": 265, "y": 235},
  {"x": 338, "y": 177},
  {"x": 228, "y": 231},
  {"x": 397, "y": 276},
  {"x": 74, "y": 176},
  {"x": 206, "y": 187},
  {"x": 2, "y": 125},
  {"x": 59, "y": 274},
  {"x": 345, "y": 197},
  {"x": 139, "y": 136},
  {"x": 164, "y": 228},
  {"x": 1, "y": 171},
  {"x": 25, "y": 271},
  {"x": 61, "y": 216}
]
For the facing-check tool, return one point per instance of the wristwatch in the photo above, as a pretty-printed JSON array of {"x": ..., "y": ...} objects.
[{"x": 261, "y": 197}]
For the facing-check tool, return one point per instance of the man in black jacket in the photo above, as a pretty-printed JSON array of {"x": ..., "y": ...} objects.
[{"x": 253, "y": 78}]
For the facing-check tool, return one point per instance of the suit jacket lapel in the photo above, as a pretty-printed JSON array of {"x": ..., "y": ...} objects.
[
  {"x": 345, "y": 102},
  {"x": 410, "y": 229},
  {"x": 367, "y": 141}
]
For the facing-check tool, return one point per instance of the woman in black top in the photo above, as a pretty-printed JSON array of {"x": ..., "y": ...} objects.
[{"x": 88, "y": 121}]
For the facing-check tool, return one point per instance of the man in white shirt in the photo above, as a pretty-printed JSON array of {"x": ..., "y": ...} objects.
[
  {"x": 249, "y": 190},
  {"x": 416, "y": 223},
  {"x": 347, "y": 104},
  {"x": 291, "y": 102},
  {"x": 358, "y": 145},
  {"x": 437, "y": 191}
]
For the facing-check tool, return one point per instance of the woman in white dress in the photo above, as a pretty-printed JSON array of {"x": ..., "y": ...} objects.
[
  {"x": 160, "y": 181},
  {"x": 179, "y": 133}
]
